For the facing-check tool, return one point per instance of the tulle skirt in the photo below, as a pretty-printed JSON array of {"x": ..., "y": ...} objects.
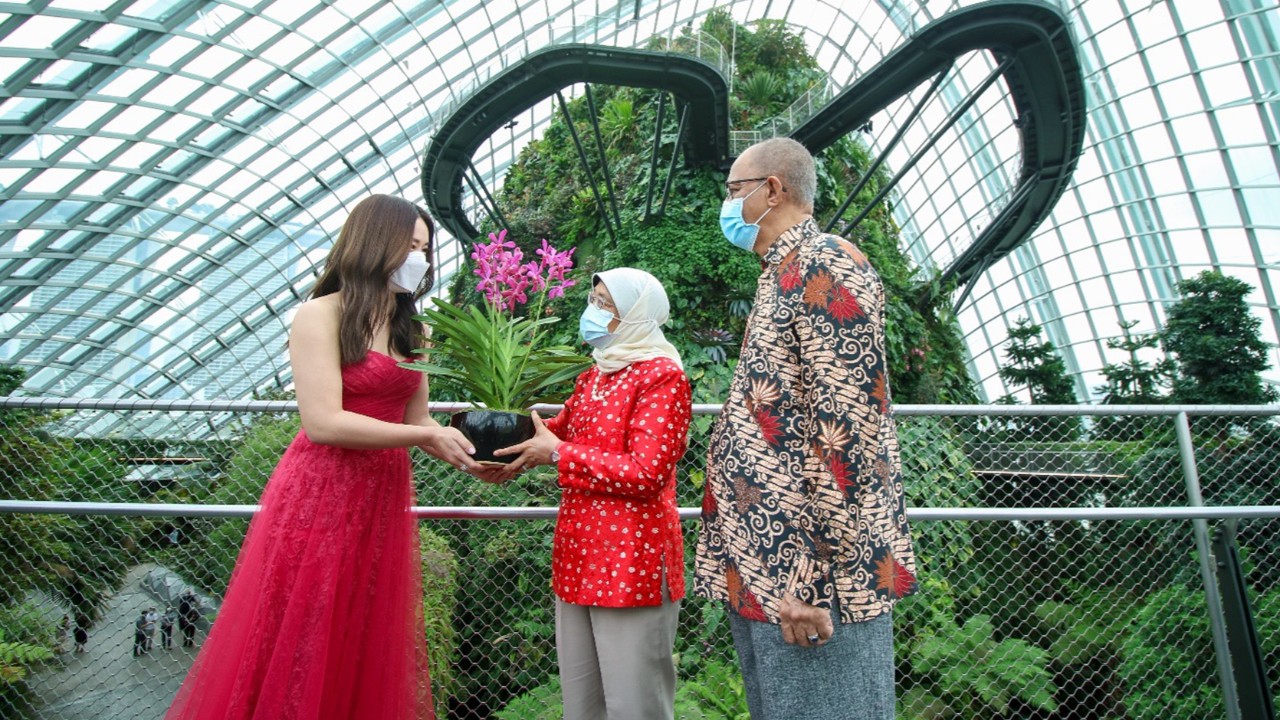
[{"x": 322, "y": 618}]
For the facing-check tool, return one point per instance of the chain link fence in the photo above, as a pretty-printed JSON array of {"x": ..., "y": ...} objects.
[{"x": 1063, "y": 560}]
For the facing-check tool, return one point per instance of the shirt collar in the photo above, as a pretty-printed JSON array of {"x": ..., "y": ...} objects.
[{"x": 788, "y": 241}]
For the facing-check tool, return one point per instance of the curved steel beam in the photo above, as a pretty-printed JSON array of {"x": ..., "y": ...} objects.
[
  {"x": 1045, "y": 85},
  {"x": 1030, "y": 38},
  {"x": 542, "y": 74}
]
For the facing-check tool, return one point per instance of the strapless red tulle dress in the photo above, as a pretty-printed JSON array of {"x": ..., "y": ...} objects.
[{"x": 322, "y": 619}]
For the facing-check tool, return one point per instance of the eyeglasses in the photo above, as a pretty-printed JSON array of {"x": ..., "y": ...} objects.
[
  {"x": 601, "y": 303},
  {"x": 731, "y": 187}
]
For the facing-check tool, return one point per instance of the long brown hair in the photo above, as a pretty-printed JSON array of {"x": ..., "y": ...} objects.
[{"x": 374, "y": 242}]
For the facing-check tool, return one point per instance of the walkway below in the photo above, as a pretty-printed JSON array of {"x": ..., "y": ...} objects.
[{"x": 107, "y": 682}]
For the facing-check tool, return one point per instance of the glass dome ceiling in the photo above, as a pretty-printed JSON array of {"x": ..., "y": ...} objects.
[{"x": 172, "y": 172}]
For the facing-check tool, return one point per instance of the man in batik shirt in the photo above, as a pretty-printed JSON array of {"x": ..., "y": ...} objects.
[{"x": 804, "y": 531}]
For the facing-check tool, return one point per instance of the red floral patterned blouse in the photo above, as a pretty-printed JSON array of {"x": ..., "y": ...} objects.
[
  {"x": 804, "y": 491},
  {"x": 618, "y": 531}
]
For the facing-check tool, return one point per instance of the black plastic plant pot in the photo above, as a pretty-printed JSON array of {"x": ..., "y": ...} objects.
[{"x": 491, "y": 430}]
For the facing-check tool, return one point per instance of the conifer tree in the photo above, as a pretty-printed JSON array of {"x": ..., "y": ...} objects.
[
  {"x": 1133, "y": 381},
  {"x": 1214, "y": 339},
  {"x": 1033, "y": 363}
]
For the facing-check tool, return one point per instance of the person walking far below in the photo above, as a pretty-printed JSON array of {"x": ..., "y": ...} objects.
[
  {"x": 804, "y": 533},
  {"x": 323, "y": 615},
  {"x": 188, "y": 616},
  {"x": 81, "y": 632},
  {"x": 166, "y": 627},
  {"x": 140, "y": 634},
  {"x": 617, "y": 563},
  {"x": 152, "y": 617}
]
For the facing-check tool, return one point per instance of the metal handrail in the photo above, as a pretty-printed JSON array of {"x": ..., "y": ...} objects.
[
  {"x": 107, "y": 404},
  {"x": 480, "y": 512}
]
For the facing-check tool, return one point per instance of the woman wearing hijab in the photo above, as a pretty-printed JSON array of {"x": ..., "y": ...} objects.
[{"x": 617, "y": 565}]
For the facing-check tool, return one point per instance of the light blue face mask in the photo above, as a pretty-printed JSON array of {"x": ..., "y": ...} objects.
[
  {"x": 735, "y": 228},
  {"x": 594, "y": 326}
]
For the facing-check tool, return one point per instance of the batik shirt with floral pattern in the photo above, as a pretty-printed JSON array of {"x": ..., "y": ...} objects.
[{"x": 804, "y": 491}]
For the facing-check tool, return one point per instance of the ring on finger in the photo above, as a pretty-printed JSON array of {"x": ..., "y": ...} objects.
[{"x": 813, "y": 639}]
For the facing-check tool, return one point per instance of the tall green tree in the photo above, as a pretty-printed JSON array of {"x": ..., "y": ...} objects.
[
  {"x": 1133, "y": 381},
  {"x": 1033, "y": 363},
  {"x": 1218, "y": 353}
]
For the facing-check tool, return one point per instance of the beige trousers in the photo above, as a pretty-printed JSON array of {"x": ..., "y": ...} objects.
[{"x": 615, "y": 663}]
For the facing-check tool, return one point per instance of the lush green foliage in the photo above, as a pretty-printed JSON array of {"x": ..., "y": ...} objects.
[
  {"x": 1034, "y": 364},
  {"x": 541, "y": 703},
  {"x": 703, "y": 639},
  {"x": 16, "y": 658},
  {"x": 28, "y": 622},
  {"x": 209, "y": 554},
  {"x": 936, "y": 472},
  {"x": 1215, "y": 342},
  {"x": 439, "y": 581},
  {"x": 716, "y": 693},
  {"x": 28, "y": 638},
  {"x": 1085, "y": 634},
  {"x": 1134, "y": 381},
  {"x": 1169, "y": 667},
  {"x": 503, "y": 615},
  {"x": 971, "y": 675},
  {"x": 23, "y": 456},
  {"x": 77, "y": 558}
]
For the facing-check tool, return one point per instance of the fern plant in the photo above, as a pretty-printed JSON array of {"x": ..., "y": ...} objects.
[
  {"x": 717, "y": 693},
  {"x": 541, "y": 703},
  {"x": 16, "y": 658},
  {"x": 974, "y": 677}
]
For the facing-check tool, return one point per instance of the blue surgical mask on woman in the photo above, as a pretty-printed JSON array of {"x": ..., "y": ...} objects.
[
  {"x": 735, "y": 228},
  {"x": 594, "y": 326}
]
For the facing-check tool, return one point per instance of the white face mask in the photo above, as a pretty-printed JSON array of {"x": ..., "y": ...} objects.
[{"x": 408, "y": 277}]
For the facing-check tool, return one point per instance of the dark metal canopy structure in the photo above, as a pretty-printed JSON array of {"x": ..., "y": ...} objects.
[
  {"x": 173, "y": 171},
  {"x": 1030, "y": 41}
]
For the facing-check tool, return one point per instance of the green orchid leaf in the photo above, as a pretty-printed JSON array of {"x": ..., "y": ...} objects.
[{"x": 496, "y": 360}]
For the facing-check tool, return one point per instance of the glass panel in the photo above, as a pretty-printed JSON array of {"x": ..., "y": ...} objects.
[
  {"x": 39, "y": 32},
  {"x": 62, "y": 74},
  {"x": 1219, "y": 208},
  {"x": 108, "y": 38},
  {"x": 18, "y": 109},
  {"x": 155, "y": 9}
]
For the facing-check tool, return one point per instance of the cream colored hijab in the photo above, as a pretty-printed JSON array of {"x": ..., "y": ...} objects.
[{"x": 643, "y": 307}]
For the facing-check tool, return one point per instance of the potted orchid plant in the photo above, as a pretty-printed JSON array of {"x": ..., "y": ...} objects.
[{"x": 497, "y": 356}]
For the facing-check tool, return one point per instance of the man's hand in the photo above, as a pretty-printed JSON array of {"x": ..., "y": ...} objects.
[{"x": 805, "y": 625}]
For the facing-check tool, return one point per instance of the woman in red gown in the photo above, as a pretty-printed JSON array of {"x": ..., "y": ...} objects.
[
  {"x": 323, "y": 615},
  {"x": 617, "y": 563}
]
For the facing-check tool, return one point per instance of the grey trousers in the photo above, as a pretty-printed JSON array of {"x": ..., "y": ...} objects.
[
  {"x": 615, "y": 663},
  {"x": 849, "y": 677}
]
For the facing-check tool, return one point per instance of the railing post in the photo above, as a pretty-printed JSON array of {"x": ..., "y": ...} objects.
[{"x": 1208, "y": 572}]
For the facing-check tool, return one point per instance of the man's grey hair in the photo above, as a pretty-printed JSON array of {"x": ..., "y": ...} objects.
[{"x": 793, "y": 164}]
